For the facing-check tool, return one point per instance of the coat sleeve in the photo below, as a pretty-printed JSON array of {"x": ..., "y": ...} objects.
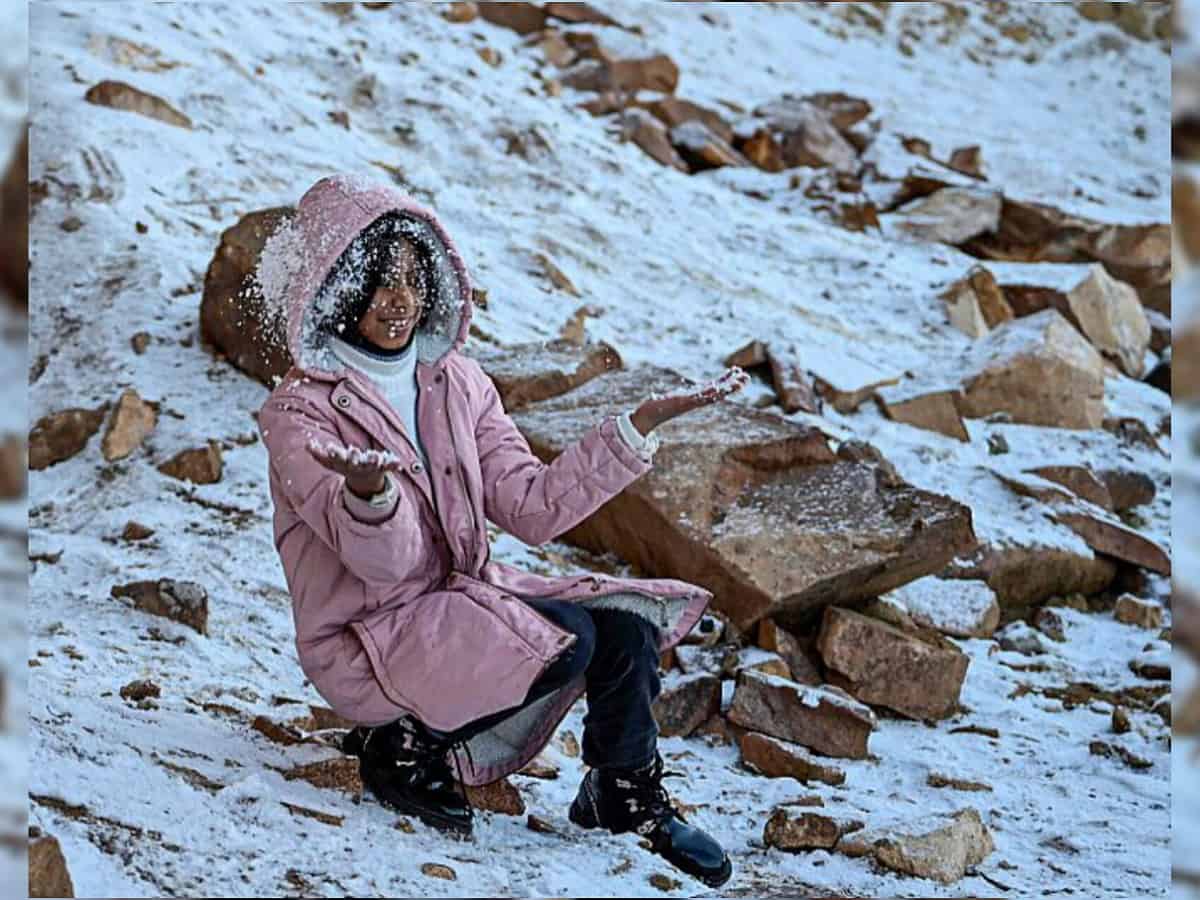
[
  {"x": 537, "y": 501},
  {"x": 375, "y": 545}
]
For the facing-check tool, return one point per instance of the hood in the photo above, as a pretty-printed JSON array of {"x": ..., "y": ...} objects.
[{"x": 299, "y": 258}]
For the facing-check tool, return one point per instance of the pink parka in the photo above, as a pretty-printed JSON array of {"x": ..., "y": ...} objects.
[{"x": 408, "y": 614}]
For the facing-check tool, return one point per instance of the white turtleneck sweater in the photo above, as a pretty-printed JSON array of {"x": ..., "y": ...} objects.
[{"x": 396, "y": 377}]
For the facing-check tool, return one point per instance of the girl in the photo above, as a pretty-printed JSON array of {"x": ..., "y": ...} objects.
[{"x": 388, "y": 449}]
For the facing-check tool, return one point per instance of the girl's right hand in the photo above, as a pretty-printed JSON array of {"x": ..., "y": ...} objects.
[{"x": 363, "y": 469}]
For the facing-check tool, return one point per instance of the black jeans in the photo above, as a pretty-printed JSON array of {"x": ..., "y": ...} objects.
[{"x": 617, "y": 652}]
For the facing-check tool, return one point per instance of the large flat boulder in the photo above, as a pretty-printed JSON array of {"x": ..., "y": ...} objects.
[
  {"x": 234, "y": 320},
  {"x": 753, "y": 507}
]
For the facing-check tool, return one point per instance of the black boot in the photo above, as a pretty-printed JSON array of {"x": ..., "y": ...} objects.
[
  {"x": 405, "y": 768},
  {"x": 634, "y": 800}
]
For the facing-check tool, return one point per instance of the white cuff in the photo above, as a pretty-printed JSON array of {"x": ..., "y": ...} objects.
[
  {"x": 378, "y": 507},
  {"x": 642, "y": 444}
]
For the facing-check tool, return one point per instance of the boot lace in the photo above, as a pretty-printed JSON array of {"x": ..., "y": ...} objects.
[{"x": 646, "y": 800}]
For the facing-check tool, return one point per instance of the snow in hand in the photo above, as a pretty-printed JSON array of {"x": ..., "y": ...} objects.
[
  {"x": 355, "y": 456},
  {"x": 730, "y": 381}
]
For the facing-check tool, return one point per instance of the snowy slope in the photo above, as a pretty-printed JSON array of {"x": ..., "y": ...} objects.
[
  {"x": 684, "y": 269},
  {"x": 14, "y": 748}
]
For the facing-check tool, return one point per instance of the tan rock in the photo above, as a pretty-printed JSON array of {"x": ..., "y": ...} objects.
[
  {"x": 556, "y": 275},
  {"x": 48, "y": 873},
  {"x": 654, "y": 73},
  {"x": 139, "y": 690},
  {"x": 1109, "y": 535},
  {"x": 201, "y": 465},
  {"x": 787, "y": 377},
  {"x": 823, "y": 719},
  {"x": 1040, "y": 370},
  {"x": 1185, "y": 217},
  {"x": 1134, "y": 611},
  {"x": 813, "y": 140},
  {"x": 14, "y": 213},
  {"x": 960, "y": 608},
  {"x": 131, "y": 422},
  {"x": 758, "y": 659},
  {"x": 933, "y": 411},
  {"x": 976, "y": 304},
  {"x": 500, "y": 796},
  {"x": 886, "y": 667},
  {"x": 1110, "y": 314},
  {"x": 122, "y": 96},
  {"x": 943, "y": 853},
  {"x": 651, "y": 136},
  {"x": 802, "y": 831},
  {"x": 183, "y": 601},
  {"x": 541, "y": 768},
  {"x": 754, "y": 497},
  {"x": 437, "y": 870},
  {"x": 233, "y": 316},
  {"x": 523, "y": 18},
  {"x": 951, "y": 215},
  {"x": 762, "y": 150},
  {"x": 490, "y": 55},
  {"x": 775, "y": 758},
  {"x": 61, "y": 435},
  {"x": 938, "y": 780},
  {"x": 702, "y": 149},
  {"x": 460, "y": 12},
  {"x": 557, "y": 51},
  {"x": 13, "y": 467},
  {"x": 686, "y": 702}
]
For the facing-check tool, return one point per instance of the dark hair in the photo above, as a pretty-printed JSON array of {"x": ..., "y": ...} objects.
[{"x": 373, "y": 252}]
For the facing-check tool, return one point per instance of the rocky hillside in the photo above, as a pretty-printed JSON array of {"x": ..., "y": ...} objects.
[{"x": 937, "y": 525}]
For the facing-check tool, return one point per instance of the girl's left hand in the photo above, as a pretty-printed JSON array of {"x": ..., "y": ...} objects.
[{"x": 657, "y": 410}]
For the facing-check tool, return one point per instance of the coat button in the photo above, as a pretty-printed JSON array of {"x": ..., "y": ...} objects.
[
  {"x": 343, "y": 401},
  {"x": 417, "y": 467},
  {"x": 447, "y": 470},
  {"x": 437, "y": 377}
]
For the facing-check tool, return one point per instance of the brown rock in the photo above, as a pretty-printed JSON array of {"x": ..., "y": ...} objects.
[
  {"x": 182, "y": 601},
  {"x": 140, "y": 690},
  {"x": 651, "y": 136},
  {"x": 931, "y": 410},
  {"x": 140, "y": 342},
  {"x": 275, "y": 732},
  {"x": 1036, "y": 232},
  {"x": 340, "y": 773},
  {"x": 233, "y": 315},
  {"x": 48, "y": 874},
  {"x": 562, "y": 366},
  {"x": 540, "y": 767},
  {"x": 780, "y": 759},
  {"x": 579, "y": 14},
  {"x": 943, "y": 853},
  {"x": 801, "y": 664},
  {"x": 968, "y": 160},
  {"x": 1133, "y": 610},
  {"x": 490, "y": 55},
  {"x": 1120, "y": 720},
  {"x": 720, "y": 730},
  {"x": 1050, "y": 622},
  {"x": 844, "y": 111},
  {"x": 136, "y": 531},
  {"x": 701, "y": 149},
  {"x": 791, "y": 385},
  {"x": 822, "y": 718},
  {"x": 500, "y": 796},
  {"x": 847, "y": 397},
  {"x": 1079, "y": 480},
  {"x": 959, "y": 608},
  {"x": 1185, "y": 215},
  {"x": 1110, "y": 314},
  {"x": 523, "y": 18},
  {"x": 587, "y": 45},
  {"x": 436, "y": 870},
  {"x": 695, "y": 660},
  {"x": 1127, "y": 488},
  {"x": 685, "y": 703},
  {"x": 858, "y": 216},
  {"x": 778, "y": 550},
  {"x": 1110, "y": 536},
  {"x": 131, "y": 421},
  {"x": 14, "y": 213},
  {"x": 763, "y": 150},
  {"x": 812, "y": 140},
  {"x": 805, "y": 831},
  {"x": 1022, "y": 576},
  {"x": 674, "y": 111},
  {"x": 61, "y": 435},
  {"x": 937, "y": 780},
  {"x": 889, "y": 668},
  {"x": 122, "y": 96},
  {"x": 13, "y": 464},
  {"x": 460, "y": 12},
  {"x": 557, "y": 51},
  {"x": 201, "y": 465},
  {"x": 755, "y": 658},
  {"x": 655, "y": 73}
]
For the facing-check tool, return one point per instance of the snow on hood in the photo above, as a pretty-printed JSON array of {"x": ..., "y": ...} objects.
[{"x": 295, "y": 267}]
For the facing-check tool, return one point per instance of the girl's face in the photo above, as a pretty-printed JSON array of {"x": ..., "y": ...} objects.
[{"x": 397, "y": 303}]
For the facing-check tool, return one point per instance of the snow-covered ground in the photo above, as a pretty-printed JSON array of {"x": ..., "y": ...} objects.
[{"x": 682, "y": 271}]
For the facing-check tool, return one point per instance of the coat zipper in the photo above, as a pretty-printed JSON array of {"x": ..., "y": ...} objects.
[{"x": 462, "y": 478}]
